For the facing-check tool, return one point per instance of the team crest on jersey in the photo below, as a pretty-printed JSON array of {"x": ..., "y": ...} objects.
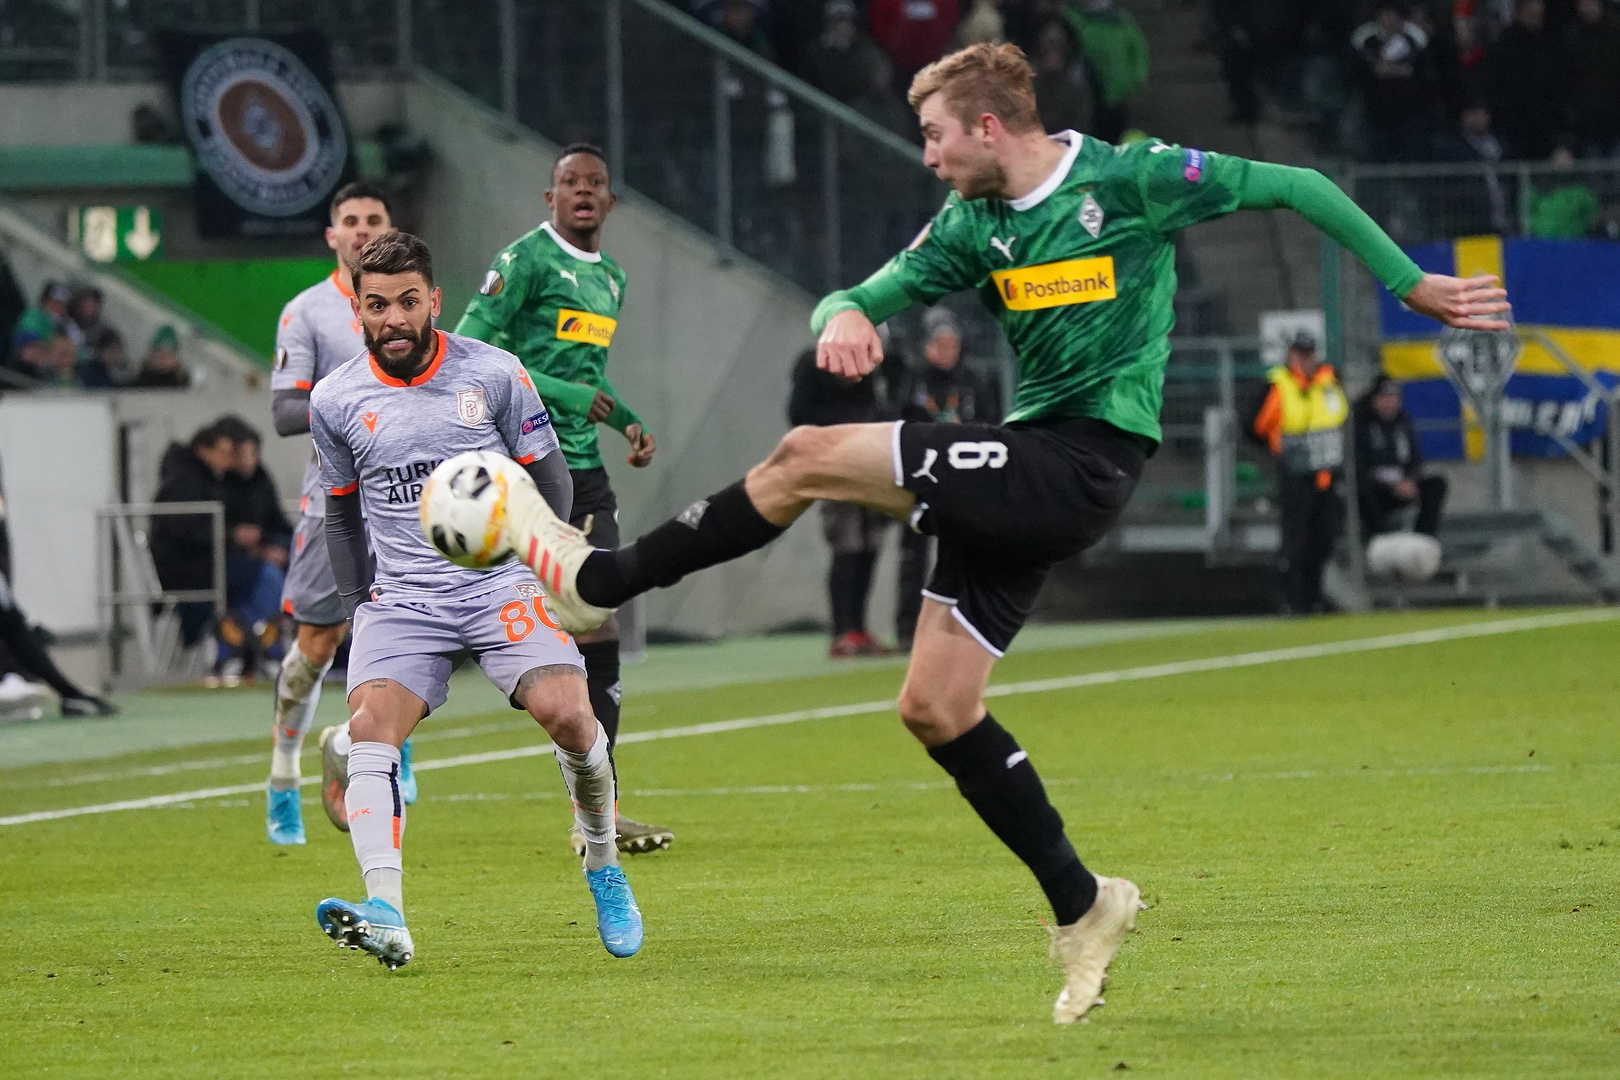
[
  {"x": 1091, "y": 217},
  {"x": 528, "y": 590},
  {"x": 471, "y": 407},
  {"x": 493, "y": 284}
]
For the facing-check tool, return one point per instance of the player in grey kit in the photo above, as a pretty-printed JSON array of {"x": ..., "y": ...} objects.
[
  {"x": 382, "y": 422},
  {"x": 318, "y": 332}
]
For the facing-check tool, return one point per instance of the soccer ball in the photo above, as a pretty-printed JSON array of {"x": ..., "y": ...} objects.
[
  {"x": 1409, "y": 557},
  {"x": 464, "y": 507}
]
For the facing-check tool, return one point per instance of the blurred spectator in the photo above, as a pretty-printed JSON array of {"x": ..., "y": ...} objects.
[
  {"x": 1389, "y": 466},
  {"x": 1397, "y": 83},
  {"x": 54, "y": 299},
  {"x": 182, "y": 545},
  {"x": 1568, "y": 212},
  {"x": 982, "y": 24},
  {"x": 1301, "y": 420},
  {"x": 914, "y": 33},
  {"x": 102, "y": 361},
  {"x": 253, "y": 514},
  {"x": 1116, "y": 56},
  {"x": 1592, "y": 45},
  {"x": 743, "y": 21},
  {"x": 39, "y": 349},
  {"x": 946, "y": 391},
  {"x": 878, "y": 102},
  {"x": 1062, "y": 93},
  {"x": 843, "y": 59},
  {"x": 1474, "y": 205},
  {"x": 162, "y": 367},
  {"x": 1525, "y": 84},
  {"x": 1234, "y": 27},
  {"x": 854, "y": 533}
]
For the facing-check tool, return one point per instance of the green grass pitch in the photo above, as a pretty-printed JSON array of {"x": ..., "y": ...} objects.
[{"x": 1394, "y": 863}]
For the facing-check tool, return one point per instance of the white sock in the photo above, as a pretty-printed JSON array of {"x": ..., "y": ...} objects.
[
  {"x": 377, "y": 817},
  {"x": 589, "y": 777},
  {"x": 386, "y": 883},
  {"x": 298, "y": 691}
]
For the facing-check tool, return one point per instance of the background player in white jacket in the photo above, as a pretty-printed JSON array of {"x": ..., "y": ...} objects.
[{"x": 382, "y": 423}]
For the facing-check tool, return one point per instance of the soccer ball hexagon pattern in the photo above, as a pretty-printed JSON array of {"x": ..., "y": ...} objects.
[{"x": 464, "y": 507}]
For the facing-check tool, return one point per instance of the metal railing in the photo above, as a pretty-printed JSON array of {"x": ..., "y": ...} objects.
[
  {"x": 133, "y": 604},
  {"x": 1423, "y": 203}
]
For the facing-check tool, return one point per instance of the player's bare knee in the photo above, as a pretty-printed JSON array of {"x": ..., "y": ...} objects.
[
  {"x": 801, "y": 455},
  {"x": 556, "y": 697}
]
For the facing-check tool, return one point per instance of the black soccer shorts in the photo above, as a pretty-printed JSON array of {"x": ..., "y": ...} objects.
[
  {"x": 595, "y": 505},
  {"x": 1007, "y": 501}
]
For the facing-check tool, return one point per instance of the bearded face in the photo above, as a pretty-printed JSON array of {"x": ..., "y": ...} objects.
[{"x": 400, "y": 362}]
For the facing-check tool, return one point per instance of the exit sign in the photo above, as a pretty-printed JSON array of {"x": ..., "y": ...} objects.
[{"x": 112, "y": 233}]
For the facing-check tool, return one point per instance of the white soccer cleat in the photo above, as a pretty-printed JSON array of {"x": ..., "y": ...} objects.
[
  {"x": 555, "y": 551},
  {"x": 1086, "y": 947}
]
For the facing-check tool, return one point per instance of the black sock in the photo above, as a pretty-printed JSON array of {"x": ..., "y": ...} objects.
[
  {"x": 714, "y": 530},
  {"x": 602, "y": 681},
  {"x": 996, "y": 778},
  {"x": 860, "y": 587},
  {"x": 31, "y": 655}
]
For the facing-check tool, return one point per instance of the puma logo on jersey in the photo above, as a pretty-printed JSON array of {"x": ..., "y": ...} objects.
[
  {"x": 1004, "y": 246},
  {"x": 929, "y": 457},
  {"x": 570, "y": 275}
]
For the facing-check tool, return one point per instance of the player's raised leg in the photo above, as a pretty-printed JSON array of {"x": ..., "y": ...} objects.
[
  {"x": 383, "y": 713},
  {"x": 942, "y": 704},
  {"x": 557, "y": 697},
  {"x": 849, "y": 462}
]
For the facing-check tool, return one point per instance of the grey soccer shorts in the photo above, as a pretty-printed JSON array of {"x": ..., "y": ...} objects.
[
  {"x": 419, "y": 642},
  {"x": 310, "y": 593}
]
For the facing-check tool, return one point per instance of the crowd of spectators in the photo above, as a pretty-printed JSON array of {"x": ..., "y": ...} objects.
[
  {"x": 64, "y": 340},
  {"x": 1432, "y": 80},
  {"x": 1091, "y": 55}
]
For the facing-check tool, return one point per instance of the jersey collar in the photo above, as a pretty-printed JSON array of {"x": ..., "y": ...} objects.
[
  {"x": 427, "y": 373},
  {"x": 340, "y": 280},
  {"x": 578, "y": 253},
  {"x": 1059, "y": 174}
]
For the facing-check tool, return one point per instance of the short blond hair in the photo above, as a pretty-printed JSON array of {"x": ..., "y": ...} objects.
[{"x": 981, "y": 79}]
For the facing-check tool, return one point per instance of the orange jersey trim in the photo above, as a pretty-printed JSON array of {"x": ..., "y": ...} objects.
[
  {"x": 342, "y": 283},
  {"x": 432, "y": 369},
  {"x": 347, "y": 489},
  {"x": 303, "y": 384},
  {"x": 526, "y": 459}
]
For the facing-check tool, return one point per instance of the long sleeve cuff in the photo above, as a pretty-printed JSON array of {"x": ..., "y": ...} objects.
[{"x": 879, "y": 297}]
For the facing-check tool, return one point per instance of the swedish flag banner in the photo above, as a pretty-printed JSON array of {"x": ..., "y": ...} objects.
[{"x": 1568, "y": 290}]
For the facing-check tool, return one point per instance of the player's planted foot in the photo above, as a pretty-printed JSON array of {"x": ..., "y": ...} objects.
[
  {"x": 334, "y": 778},
  {"x": 1085, "y": 948},
  {"x": 618, "y": 919},
  {"x": 373, "y": 926},
  {"x": 284, "y": 816},
  {"x": 555, "y": 551},
  {"x": 407, "y": 775},
  {"x": 631, "y": 837}
]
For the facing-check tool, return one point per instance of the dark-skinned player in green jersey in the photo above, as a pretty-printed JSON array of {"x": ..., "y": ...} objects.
[
  {"x": 1069, "y": 242},
  {"x": 553, "y": 299}
]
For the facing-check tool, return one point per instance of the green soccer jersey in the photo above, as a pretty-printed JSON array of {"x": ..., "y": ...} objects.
[
  {"x": 1081, "y": 271},
  {"x": 556, "y": 307}
]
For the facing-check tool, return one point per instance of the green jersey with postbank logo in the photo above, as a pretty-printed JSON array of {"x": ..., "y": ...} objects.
[
  {"x": 556, "y": 307},
  {"x": 1080, "y": 272}
]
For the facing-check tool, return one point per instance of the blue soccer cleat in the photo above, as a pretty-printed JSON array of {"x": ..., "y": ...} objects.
[
  {"x": 407, "y": 775},
  {"x": 284, "y": 817},
  {"x": 373, "y": 926},
  {"x": 618, "y": 919}
]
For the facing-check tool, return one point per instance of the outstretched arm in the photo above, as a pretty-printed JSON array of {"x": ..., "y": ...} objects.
[{"x": 1467, "y": 303}]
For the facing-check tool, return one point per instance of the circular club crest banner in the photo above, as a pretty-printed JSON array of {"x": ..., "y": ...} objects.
[{"x": 264, "y": 128}]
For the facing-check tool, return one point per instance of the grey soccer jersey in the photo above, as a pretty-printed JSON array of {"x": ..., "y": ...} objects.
[
  {"x": 318, "y": 333},
  {"x": 382, "y": 437}
]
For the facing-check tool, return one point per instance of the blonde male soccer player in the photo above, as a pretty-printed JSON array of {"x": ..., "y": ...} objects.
[
  {"x": 1069, "y": 241},
  {"x": 318, "y": 332},
  {"x": 552, "y": 297},
  {"x": 382, "y": 422}
]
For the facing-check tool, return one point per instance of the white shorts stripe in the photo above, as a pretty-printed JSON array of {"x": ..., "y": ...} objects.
[{"x": 899, "y": 469}]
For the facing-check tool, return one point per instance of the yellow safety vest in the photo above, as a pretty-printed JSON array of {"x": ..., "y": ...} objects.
[{"x": 1312, "y": 420}]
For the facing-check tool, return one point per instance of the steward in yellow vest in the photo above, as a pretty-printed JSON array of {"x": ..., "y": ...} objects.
[{"x": 1302, "y": 420}]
